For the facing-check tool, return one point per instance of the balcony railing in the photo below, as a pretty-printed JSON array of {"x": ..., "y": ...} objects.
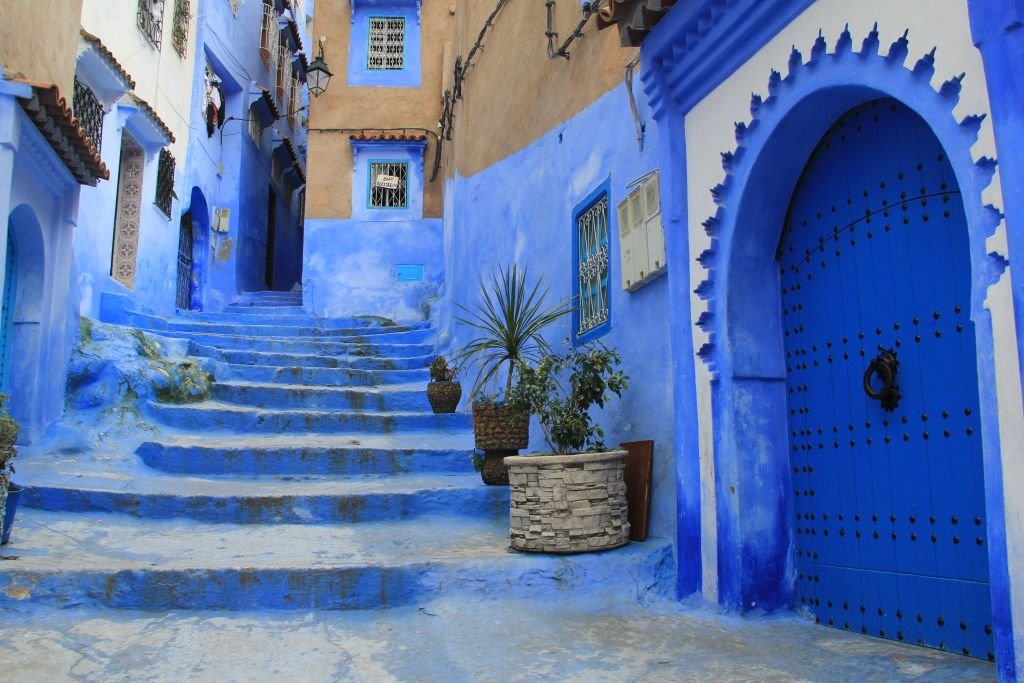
[{"x": 89, "y": 112}]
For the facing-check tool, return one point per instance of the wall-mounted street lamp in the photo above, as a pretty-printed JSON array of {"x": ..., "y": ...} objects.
[{"x": 318, "y": 75}]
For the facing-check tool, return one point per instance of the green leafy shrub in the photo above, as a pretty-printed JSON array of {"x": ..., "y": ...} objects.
[
  {"x": 509, "y": 321},
  {"x": 440, "y": 371},
  {"x": 564, "y": 413},
  {"x": 8, "y": 436}
]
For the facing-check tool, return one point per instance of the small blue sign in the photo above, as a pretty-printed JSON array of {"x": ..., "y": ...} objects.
[{"x": 409, "y": 273}]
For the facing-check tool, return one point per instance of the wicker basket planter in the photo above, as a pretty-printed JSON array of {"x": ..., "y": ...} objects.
[
  {"x": 568, "y": 503},
  {"x": 498, "y": 428},
  {"x": 444, "y": 396}
]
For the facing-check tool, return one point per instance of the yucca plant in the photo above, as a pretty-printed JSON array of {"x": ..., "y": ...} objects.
[{"x": 509, "y": 320}]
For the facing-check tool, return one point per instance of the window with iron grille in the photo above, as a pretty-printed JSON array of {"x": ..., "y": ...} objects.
[
  {"x": 151, "y": 20},
  {"x": 165, "y": 182},
  {"x": 89, "y": 112},
  {"x": 592, "y": 266},
  {"x": 270, "y": 36},
  {"x": 389, "y": 181},
  {"x": 293, "y": 98},
  {"x": 179, "y": 30},
  {"x": 284, "y": 76},
  {"x": 386, "y": 50}
]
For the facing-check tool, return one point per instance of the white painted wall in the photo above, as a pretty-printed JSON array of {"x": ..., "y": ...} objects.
[
  {"x": 709, "y": 131},
  {"x": 162, "y": 77}
]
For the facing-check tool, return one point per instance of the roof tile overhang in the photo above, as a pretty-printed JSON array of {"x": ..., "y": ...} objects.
[
  {"x": 294, "y": 157},
  {"x": 108, "y": 56},
  {"x": 268, "y": 101},
  {"x": 387, "y": 136},
  {"x": 635, "y": 18},
  {"x": 293, "y": 28},
  {"x": 52, "y": 116},
  {"x": 162, "y": 133}
]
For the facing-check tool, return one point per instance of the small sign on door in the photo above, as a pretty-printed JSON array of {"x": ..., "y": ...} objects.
[{"x": 389, "y": 182}]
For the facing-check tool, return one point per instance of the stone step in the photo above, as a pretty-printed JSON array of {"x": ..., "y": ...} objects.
[
  {"x": 310, "y": 360},
  {"x": 311, "y": 455},
  {"x": 295, "y": 374},
  {"x": 267, "y": 500},
  {"x": 114, "y": 561},
  {"x": 256, "y": 329},
  {"x": 208, "y": 416},
  {"x": 285, "y": 316},
  {"x": 396, "y": 397},
  {"x": 348, "y": 346}
]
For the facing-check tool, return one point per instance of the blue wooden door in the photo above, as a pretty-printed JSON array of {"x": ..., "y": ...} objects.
[
  {"x": 7, "y": 315},
  {"x": 885, "y": 441}
]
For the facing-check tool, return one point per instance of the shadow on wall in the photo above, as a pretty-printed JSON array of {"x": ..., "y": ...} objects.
[{"x": 200, "y": 214}]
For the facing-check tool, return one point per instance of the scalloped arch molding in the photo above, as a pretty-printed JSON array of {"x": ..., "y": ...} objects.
[{"x": 745, "y": 537}]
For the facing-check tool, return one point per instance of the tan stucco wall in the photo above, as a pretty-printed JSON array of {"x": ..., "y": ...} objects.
[
  {"x": 329, "y": 178},
  {"x": 39, "y": 40},
  {"x": 514, "y": 94}
]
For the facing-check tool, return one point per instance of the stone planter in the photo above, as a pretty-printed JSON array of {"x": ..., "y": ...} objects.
[
  {"x": 444, "y": 396},
  {"x": 497, "y": 428},
  {"x": 568, "y": 503}
]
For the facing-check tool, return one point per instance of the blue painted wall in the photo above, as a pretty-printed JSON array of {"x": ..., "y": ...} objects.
[
  {"x": 38, "y": 205},
  {"x": 231, "y": 170},
  {"x": 350, "y": 267},
  {"x": 94, "y": 234},
  {"x": 520, "y": 210}
]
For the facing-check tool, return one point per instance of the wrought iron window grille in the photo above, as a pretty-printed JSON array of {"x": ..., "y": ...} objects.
[
  {"x": 179, "y": 29},
  {"x": 151, "y": 20},
  {"x": 382, "y": 196},
  {"x": 165, "y": 182},
  {"x": 284, "y": 76},
  {"x": 89, "y": 112},
  {"x": 386, "y": 51},
  {"x": 592, "y": 235},
  {"x": 270, "y": 36}
]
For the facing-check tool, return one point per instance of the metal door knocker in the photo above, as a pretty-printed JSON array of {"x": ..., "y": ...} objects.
[{"x": 885, "y": 366}]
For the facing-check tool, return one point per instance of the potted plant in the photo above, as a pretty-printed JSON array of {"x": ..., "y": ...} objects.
[
  {"x": 573, "y": 499},
  {"x": 509, "y": 322},
  {"x": 443, "y": 392},
  {"x": 8, "y": 436}
]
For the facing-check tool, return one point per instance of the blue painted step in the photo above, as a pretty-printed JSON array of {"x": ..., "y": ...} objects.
[
  {"x": 213, "y": 415},
  {"x": 113, "y": 561},
  {"x": 308, "y": 456},
  {"x": 277, "y": 500},
  {"x": 184, "y": 327},
  {"x": 312, "y": 360},
  {"x": 201, "y": 343},
  {"x": 408, "y": 398},
  {"x": 293, "y": 374}
]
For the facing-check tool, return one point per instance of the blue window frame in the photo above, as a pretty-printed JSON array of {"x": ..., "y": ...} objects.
[{"x": 591, "y": 245}]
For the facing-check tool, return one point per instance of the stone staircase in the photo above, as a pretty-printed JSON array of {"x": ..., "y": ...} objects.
[{"x": 314, "y": 476}]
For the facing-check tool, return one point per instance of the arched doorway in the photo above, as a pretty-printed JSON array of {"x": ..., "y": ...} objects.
[{"x": 882, "y": 388}]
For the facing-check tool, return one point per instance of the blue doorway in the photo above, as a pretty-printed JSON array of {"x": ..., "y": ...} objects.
[{"x": 882, "y": 386}]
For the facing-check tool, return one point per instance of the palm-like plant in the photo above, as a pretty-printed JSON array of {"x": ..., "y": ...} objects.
[{"x": 510, "y": 319}]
